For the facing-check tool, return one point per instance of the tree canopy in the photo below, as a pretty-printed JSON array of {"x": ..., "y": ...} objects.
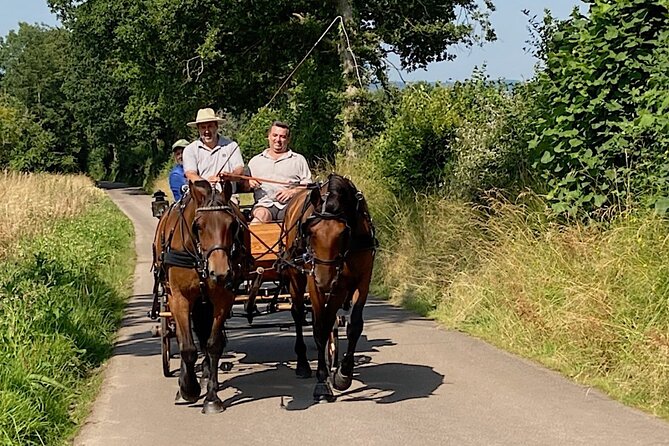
[{"x": 138, "y": 70}]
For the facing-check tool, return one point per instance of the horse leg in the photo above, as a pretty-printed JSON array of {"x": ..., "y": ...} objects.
[
  {"x": 203, "y": 318},
  {"x": 343, "y": 377},
  {"x": 215, "y": 347},
  {"x": 324, "y": 319},
  {"x": 189, "y": 389},
  {"x": 297, "y": 285}
]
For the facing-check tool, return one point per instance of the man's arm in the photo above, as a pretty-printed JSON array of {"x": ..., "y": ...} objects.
[
  {"x": 176, "y": 181},
  {"x": 193, "y": 176},
  {"x": 304, "y": 173}
]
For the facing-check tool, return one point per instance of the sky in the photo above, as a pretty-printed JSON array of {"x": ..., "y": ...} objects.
[{"x": 504, "y": 58}]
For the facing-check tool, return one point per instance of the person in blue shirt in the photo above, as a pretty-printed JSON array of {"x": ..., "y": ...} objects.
[{"x": 177, "y": 177}]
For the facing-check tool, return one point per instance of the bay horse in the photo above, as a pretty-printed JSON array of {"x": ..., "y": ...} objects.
[
  {"x": 329, "y": 249},
  {"x": 199, "y": 257}
]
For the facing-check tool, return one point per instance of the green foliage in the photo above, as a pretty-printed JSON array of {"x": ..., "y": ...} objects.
[
  {"x": 589, "y": 301},
  {"x": 602, "y": 130},
  {"x": 25, "y": 145},
  {"x": 419, "y": 32},
  {"x": 461, "y": 140},
  {"x": 140, "y": 70},
  {"x": 252, "y": 136},
  {"x": 310, "y": 110},
  {"x": 61, "y": 299},
  {"x": 34, "y": 62}
]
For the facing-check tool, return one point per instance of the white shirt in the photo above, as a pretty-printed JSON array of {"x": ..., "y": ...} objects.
[
  {"x": 289, "y": 167},
  {"x": 225, "y": 157}
]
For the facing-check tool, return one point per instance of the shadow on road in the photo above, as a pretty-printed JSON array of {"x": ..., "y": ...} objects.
[
  {"x": 380, "y": 383},
  {"x": 130, "y": 190},
  {"x": 263, "y": 360}
]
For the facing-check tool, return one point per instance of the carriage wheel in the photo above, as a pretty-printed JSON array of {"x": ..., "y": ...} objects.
[
  {"x": 332, "y": 348},
  {"x": 165, "y": 341}
]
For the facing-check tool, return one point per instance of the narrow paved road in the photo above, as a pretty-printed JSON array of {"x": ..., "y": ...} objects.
[{"x": 416, "y": 384}]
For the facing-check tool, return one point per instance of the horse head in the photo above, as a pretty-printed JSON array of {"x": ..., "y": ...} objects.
[
  {"x": 327, "y": 232},
  {"x": 215, "y": 229}
]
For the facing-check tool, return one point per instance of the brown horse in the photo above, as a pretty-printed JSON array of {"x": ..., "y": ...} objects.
[
  {"x": 199, "y": 258},
  {"x": 329, "y": 248}
]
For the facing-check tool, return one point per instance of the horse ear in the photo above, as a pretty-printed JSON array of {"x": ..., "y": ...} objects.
[
  {"x": 316, "y": 198},
  {"x": 201, "y": 190},
  {"x": 227, "y": 190}
]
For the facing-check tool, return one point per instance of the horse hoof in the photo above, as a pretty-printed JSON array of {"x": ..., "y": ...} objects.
[
  {"x": 178, "y": 399},
  {"x": 323, "y": 392},
  {"x": 340, "y": 381},
  {"x": 182, "y": 398},
  {"x": 303, "y": 370},
  {"x": 210, "y": 407}
]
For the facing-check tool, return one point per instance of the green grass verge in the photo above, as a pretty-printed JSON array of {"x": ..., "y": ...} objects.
[
  {"x": 61, "y": 301},
  {"x": 589, "y": 301}
]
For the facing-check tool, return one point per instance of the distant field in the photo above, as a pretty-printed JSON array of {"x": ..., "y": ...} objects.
[{"x": 30, "y": 202}]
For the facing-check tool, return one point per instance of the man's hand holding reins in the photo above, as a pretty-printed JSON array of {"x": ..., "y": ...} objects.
[{"x": 283, "y": 196}]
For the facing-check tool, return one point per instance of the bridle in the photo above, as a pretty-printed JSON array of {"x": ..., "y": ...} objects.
[
  {"x": 301, "y": 255},
  {"x": 202, "y": 257},
  {"x": 195, "y": 256},
  {"x": 309, "y": 257}
]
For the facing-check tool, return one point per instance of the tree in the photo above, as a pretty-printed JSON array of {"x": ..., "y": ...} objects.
[
  {"x": 25, "y": 145},
  {"x": 171, "y": 57},
  {"x": 602, "y": 129},
  {"x": 35, "y": 61}
]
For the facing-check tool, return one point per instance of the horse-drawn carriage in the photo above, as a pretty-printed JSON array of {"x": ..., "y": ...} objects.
[{"x": 210, "y": 265}]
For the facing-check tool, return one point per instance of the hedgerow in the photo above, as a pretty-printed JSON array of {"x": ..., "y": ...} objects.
[
  {"x": 602, "y": 124},
  {"x": 457, "y": 140}
]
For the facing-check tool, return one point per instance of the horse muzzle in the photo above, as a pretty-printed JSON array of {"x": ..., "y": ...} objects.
[{"x": 227, "y": 279}]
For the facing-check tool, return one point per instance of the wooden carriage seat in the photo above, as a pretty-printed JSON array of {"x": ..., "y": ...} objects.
[{"x": 269, "y": 233}]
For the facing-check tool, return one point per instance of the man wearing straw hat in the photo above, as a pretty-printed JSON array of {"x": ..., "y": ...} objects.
[
  {"x": 211, "y": 154},
  {"x": 280, "y": 164},
  {"x": 177, "y": 178}
]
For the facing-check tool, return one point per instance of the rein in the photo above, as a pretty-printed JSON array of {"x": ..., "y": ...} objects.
[
  {"x": 308, "y": 260},
  {"x": 292, "y": 184},
  {"x": 193, "y": 256}
]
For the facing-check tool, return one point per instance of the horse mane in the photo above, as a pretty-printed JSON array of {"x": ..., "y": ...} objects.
[{"x": 341, "y": 196}]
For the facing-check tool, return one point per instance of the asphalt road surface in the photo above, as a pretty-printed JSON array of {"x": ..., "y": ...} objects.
[{"x": 415, "y": 383}]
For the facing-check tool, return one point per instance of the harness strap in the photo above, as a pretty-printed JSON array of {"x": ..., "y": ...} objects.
[{"x": 182, "y": 259}]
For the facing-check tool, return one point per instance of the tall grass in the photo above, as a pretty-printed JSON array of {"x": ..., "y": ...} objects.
[
  {"x": 62, "y": 291},
  {"x": 30, "y": 202},
  {"x": 589, "y": 301}
]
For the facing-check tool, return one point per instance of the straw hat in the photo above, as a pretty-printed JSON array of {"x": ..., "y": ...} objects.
[
  {"x": 180, "y": 144},
  {"x": 205, "y": 115}
]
